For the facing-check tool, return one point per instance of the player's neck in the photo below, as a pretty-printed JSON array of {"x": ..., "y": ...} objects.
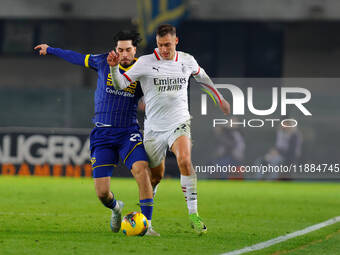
[
  {"x": 127, "y": 65},
  {"x": 171, "y": 57}
]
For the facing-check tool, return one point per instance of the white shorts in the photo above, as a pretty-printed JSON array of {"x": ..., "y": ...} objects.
[{"x": 156, "y": 143}]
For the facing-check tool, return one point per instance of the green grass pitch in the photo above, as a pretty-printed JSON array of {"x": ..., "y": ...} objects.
[{"x": 63, "y": 216}]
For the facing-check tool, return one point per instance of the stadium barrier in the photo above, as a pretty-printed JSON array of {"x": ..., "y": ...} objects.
[{"x": 45, "y": 152}]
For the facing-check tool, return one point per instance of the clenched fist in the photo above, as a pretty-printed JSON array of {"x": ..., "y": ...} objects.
[{"x": 113, "y": 59}]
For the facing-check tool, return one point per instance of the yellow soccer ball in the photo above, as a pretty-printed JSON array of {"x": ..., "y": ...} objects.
[{"x": 134, "y": 224}]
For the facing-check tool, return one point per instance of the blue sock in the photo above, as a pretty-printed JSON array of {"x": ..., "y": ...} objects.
[
  {"x": 146, "y": 205},
  {"x": 109, "y": 203}
]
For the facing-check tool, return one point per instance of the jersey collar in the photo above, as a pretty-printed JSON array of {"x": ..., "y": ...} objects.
[
  {"x": 127, "y": 68},
  {"x": 158, "y": 57}
]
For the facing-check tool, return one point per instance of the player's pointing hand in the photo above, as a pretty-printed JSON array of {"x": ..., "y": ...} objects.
[
  {"x": 113, "y": 58},
  {"x": 42, "y": 49}
]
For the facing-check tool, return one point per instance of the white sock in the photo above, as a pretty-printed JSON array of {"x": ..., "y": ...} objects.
[
  {"x": 189, "y": 188},
  {"x": 116, "y": 206},
  {"x": 150, "y": 226},
  {"x": 154, "y": 190}
]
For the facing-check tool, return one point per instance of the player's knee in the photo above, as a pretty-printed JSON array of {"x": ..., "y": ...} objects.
[{"x": 140, "y": 170}]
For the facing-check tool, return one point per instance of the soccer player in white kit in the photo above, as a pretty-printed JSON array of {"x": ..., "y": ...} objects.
[{"x": 164, "y": 77}]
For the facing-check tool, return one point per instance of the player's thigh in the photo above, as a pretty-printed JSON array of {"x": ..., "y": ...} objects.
[
  {"x": 132, "y": 150},
  {"x": 182, "y": 148},
  {"x": 156, "y": 146},
  {"x": 180, "y": 141},
  {"x": 103, "y": 158}
]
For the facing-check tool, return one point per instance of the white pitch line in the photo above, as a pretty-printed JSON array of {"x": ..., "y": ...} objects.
[{"x": 280, "y": 239}]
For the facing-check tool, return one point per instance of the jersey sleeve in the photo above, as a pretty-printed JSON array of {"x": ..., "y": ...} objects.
[
  {"x": 122, "y": 81},
  {"x": 93, "y": 61},
  {"x": 195, "y": 67},
  {"x": 204, "y": 80},
  {"x": 68, "y": 55},
  {"x": 136, "y": 71},
  {"x": 76, "y": 58}
]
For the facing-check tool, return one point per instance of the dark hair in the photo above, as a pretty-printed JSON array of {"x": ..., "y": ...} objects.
[
  {"x": 126, "y": 35},
  {"x": 165, "y": 29}
]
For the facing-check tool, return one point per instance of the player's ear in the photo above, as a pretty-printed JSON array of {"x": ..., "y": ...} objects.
[{"x": 176, "y": 40}]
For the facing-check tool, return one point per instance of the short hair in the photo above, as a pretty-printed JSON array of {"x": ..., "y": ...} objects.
[
  {"x": 125, "y": 35},
  {"x": 165, "y": 29}
]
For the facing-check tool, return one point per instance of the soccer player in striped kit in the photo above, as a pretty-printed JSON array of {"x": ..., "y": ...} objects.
[
  {"x": 116, "y": 133},
  {"x": 164, "y": 77}
]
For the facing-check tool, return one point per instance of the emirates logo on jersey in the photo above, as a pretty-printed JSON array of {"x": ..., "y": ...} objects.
[
  {"x": 169, "y": 84},
  {"x": 169, "y": 81}
]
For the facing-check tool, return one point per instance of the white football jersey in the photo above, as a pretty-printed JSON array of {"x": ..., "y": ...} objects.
[{"x": 164, "y": 84}]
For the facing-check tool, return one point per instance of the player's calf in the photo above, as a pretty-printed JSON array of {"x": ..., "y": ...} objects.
[
  {"x": 157, "y": 174},
  {"x": 140, "y": 171},
  {"x": 155, "y": 180},
  {"x": 102, "y": 186},
  {"x": 108, "y": 200},
  {"x": 185, "y": 165}
]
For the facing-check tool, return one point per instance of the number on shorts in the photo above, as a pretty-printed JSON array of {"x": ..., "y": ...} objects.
[
  {"x": 135, "y": 138},
  {"x": 183, "y": 127}
]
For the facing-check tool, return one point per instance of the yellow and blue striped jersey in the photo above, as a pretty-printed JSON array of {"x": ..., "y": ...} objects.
[{"x": 117, "y": 108}]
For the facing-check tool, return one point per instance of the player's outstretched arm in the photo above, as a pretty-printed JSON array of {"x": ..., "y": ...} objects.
[
  {"x": 68, "y": 55},
  {"x": 118, "y": 79},
  {"x": 205, "y": 81}
]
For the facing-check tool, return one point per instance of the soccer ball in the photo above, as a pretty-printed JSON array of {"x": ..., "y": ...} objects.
[{"x": 134, "y": 224}]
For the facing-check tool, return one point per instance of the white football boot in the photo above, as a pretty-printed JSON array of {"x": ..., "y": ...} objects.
[{"x": 116, "y": 218}]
